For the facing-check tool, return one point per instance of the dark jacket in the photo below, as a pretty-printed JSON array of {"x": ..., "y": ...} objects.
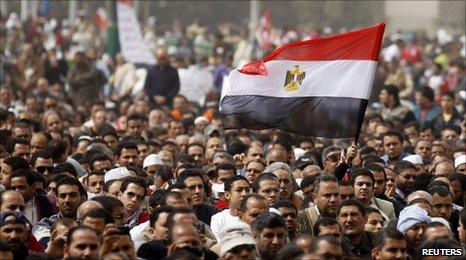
[
  {"x": 204, "y": 212},
  {"x": 44, "y": 206},
  {"x": 162, "y": 81}
]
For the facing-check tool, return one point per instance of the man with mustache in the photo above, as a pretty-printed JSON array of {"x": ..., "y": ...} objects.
[
  {"x": 13, "y": 231},
  {"x": 270, "y": 232},
  {"x": 351, "y": 217},
  {"x": 326, "y": 200}
]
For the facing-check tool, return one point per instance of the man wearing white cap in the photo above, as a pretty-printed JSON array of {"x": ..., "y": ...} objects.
[
  {"x": 150, "y": 164},
  {"x": 417, "y": 161},
  {"x": 237, "y": 242},
  {"x": 460, "y": 164},
  {"x": 201, "y": 123}
]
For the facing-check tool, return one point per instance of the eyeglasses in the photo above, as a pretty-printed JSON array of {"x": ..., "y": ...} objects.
[{"x": 42, "y": 169}]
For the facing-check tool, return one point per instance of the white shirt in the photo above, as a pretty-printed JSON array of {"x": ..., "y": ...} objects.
[
  {"x": 31, "y": 211},
  {"x": 139, "y": 234},
  {"x": 219, "y": 220}
]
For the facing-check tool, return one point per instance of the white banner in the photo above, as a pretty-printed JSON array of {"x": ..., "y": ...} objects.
[{"x": 132, "y": 45}]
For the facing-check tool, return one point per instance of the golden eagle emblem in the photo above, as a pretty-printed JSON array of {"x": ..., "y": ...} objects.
[{"x": 294, "y": 78}]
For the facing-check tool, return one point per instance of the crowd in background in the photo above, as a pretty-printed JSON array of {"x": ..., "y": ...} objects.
[{"x": 104, "y": 159}]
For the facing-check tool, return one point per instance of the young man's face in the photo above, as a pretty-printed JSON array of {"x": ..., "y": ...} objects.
[
  {"x": 95, "y": 183},
  {"x": 196, "y": 186},
  {"x": 132, "y": 198},
  {"x": 238, "y": 191}
]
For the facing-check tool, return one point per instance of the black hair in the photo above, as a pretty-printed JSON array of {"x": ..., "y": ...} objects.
[
  {"x": 10, "y": 144},
  {"x": 134, "y": 180},
  {"x": 307, "y": 181},
  {"x": 284, "y": 204},
  {"x": 108, "y": 202},
  {"x": 422, "y": 181},
  {"x": 99, "y": 213},
  {"x": 64, "y": 167},
  {"x": 442, "y": 191},
  {"x": 39, "y": 154},
  {"x": 267, "y": 220},
  {"x": 16, "y": 163},
  {"x": 375, "y": 167},
  {"x": 72, "y": 182},
  {"x": 352, "y": 202},
  {"x": 154, "y": 216},
  {"x": 57, "y": 148},
  {"x": 380, "y": 237},
  {"x": 393, "y": 133},
  {"x": 193, "y": 172},
  {"x": 426, "y": 92},
  {"x": 125, "y": 145},
  {"x": 165, "y": 172},
  {"x": 324, "y": 222},
  {"x": 393, "y": 91},
  {"x": 156, "y": 198},
  {"x": 360, "y": 171},
  {"x": 228, "y": 184},
  {"x": 266, "y": 176},
  {"x": 24, "y": 173}
]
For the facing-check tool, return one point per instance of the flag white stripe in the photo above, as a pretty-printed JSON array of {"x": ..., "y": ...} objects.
[{"x": 336, "y": 78}]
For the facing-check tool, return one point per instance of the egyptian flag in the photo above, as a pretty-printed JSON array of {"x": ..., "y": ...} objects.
[{"x": 318, "y": 87}]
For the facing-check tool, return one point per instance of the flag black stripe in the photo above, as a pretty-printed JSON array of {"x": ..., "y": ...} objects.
[{"x": 331, "y": 117}]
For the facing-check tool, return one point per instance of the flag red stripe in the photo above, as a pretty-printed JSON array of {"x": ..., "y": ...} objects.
[{"x": 362, "y": 44}]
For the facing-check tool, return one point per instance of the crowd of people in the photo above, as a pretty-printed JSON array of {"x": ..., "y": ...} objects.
[{"x": 103, "y": 159}]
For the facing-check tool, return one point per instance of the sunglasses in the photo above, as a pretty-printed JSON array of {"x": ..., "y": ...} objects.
[{"x": 42, "y": 169}]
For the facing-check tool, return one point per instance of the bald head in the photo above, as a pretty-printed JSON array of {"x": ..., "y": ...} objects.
[
  {"x": 11, "y": 200},
  {"x": 88, "y": 206}
]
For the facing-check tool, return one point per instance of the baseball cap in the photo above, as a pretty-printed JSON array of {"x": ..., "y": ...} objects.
[
  {"x": 152, "y": 159},
  {"x": 235, "y": 234},
  {"x": 420, "y": 194},
  {"x": 19, "y": 218},
  {"x": 116, "y": 174}
]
